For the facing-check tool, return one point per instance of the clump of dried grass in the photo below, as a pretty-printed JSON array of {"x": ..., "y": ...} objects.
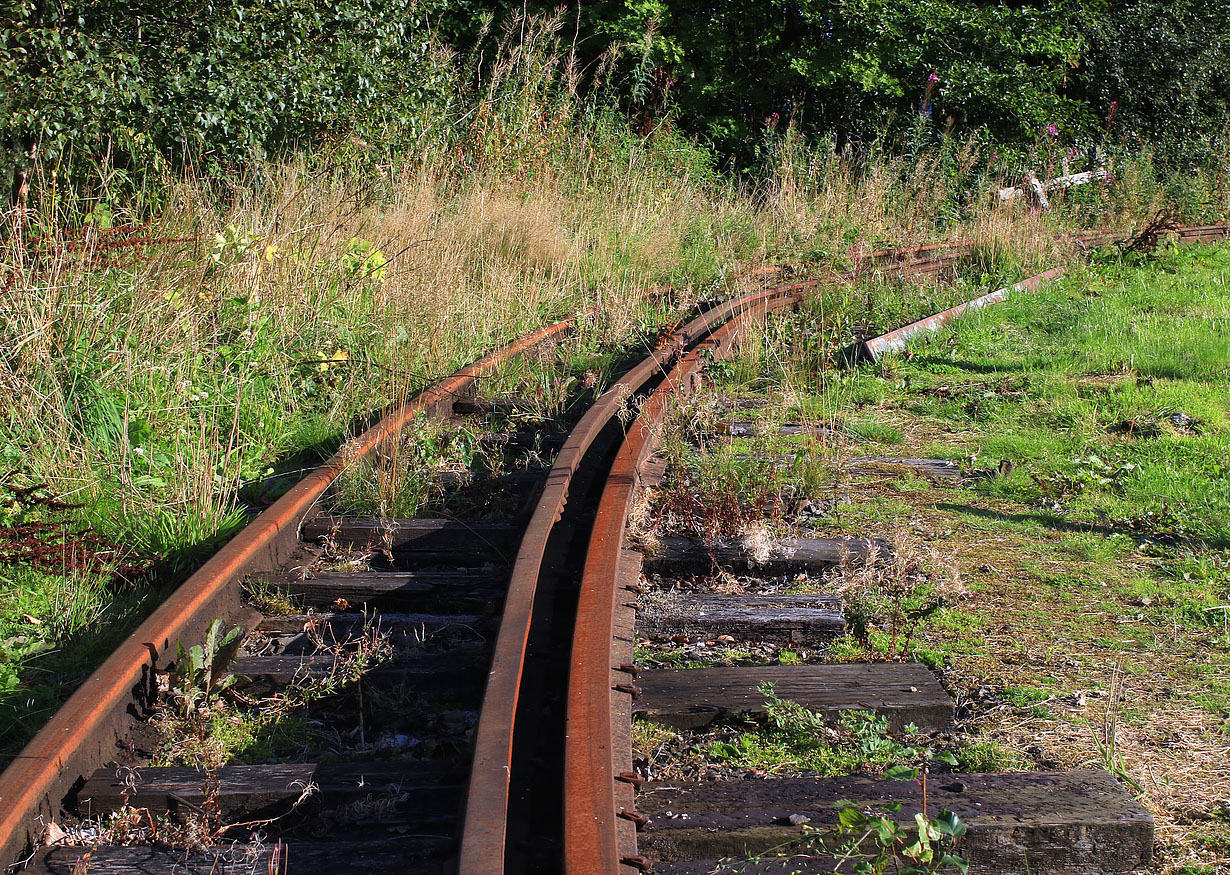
[{"x": 889, "y": 595}]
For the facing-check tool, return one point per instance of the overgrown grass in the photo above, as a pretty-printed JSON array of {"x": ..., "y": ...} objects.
[
  {"x": 791, "y": 739},
  {"x": 166, "y": 383},
  {"x": 172, "y": 372},
  {"x": 1094, "y": 629},
  {"x": 1098, "y": 566},
  {"x": 53, "y": 627},
  {"x": 1118, "y": 413}
]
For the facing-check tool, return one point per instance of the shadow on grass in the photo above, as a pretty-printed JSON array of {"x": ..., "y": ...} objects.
[
  {"x": 35, "y": 686},
  {"x": 1058, "y": 523},
  {"x": 1051, "y": 521},
  {"x": 944, "y": 361}
]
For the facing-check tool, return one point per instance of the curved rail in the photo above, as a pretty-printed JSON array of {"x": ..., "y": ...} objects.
[
  {"x": 82, "y": 734},
  {"x": 591, "y": 842},
  {"x": 484, "y": 832}
]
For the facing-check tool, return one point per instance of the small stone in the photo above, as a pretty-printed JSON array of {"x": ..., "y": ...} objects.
[
  {"x": 954, "y": 787},
  {"x": 726, "y": 639},
  {"x": 798, "y": 819}
]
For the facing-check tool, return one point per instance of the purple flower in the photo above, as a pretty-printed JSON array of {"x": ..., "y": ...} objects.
[
  {"x": 1052, "y": 130},
  {"x": 772, "y": 120},
  {"x": 932, "y": 79}
]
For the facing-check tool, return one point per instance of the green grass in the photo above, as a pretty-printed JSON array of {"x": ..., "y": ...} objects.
[
  {"x": 52, "y": 629},
  {"x": 1102, "y": 559},
  {"x": 991, "y": 756},
  {"x": 795, "y": 739},
  {"x": 875, "y": 431},
  {"x": 1108, "y": 389}
]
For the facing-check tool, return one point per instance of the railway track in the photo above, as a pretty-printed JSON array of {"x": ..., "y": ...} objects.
[{"x": 489, "y": 620}]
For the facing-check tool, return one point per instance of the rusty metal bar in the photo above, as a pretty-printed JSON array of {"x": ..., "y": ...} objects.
[
  {"x": 876, "y": 347},
  {"x": 591, "y": 845},
  {"x": 81, "y": 735},
  {"x": 484, "y": 830}
]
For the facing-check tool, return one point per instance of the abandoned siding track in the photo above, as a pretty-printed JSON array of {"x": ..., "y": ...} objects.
[
  {"x": 618, "y": 820},
  {"x": 485, "y": 813}
]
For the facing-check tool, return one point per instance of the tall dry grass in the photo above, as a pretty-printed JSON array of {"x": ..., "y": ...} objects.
[
  {"x": 154, "y": 381},
  {"x": 157, "y": 387},
  {"x": 171, "y": 375}
]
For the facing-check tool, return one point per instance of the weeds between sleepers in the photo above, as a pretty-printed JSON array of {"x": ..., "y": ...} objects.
[
  {"x": 203, "y": 376},
  {"x": 437, "y": 466},
  {"x": 1101, "y": 547},
  {"x": 794, "y": 739},
  {"x": 205, "y": 721}
]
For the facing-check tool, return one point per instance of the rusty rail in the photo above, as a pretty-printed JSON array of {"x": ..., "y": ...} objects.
[
  {"x": 484, "y": 831},
  {"x": 83, "y": 733},
  {"x": 81, "y": 736},
  {"x": 591, "y": 841}
]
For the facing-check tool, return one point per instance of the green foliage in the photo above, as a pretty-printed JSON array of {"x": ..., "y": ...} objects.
[
  {"x": 54, "y": 628},
  {"x": 232, "y": 245},
  {"x": 119, "y": 83},
  {"x": 124, "y": 87},
  {"x": 874, "y": 841},
  {"x": 796, "y": 736},
  {"x": 202, "y": 672},
  {"x": 924, "y": 849},
  {"x": 363, "y": 260},
  {"x": 403, "y": 482},
  {"x": 1039, "y": 77},
  {"x": 1087, "y": 472},
  {"x": 1164, "y": 69},
  {"x": 888, "y": 602},
  {"x": 993, "y": 756}
]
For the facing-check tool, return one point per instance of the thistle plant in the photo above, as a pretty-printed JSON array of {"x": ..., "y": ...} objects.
[{"x": 202, "y": 672}]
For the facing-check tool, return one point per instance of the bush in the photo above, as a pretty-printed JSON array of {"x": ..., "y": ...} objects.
[{"x": 115, "y": 84}]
